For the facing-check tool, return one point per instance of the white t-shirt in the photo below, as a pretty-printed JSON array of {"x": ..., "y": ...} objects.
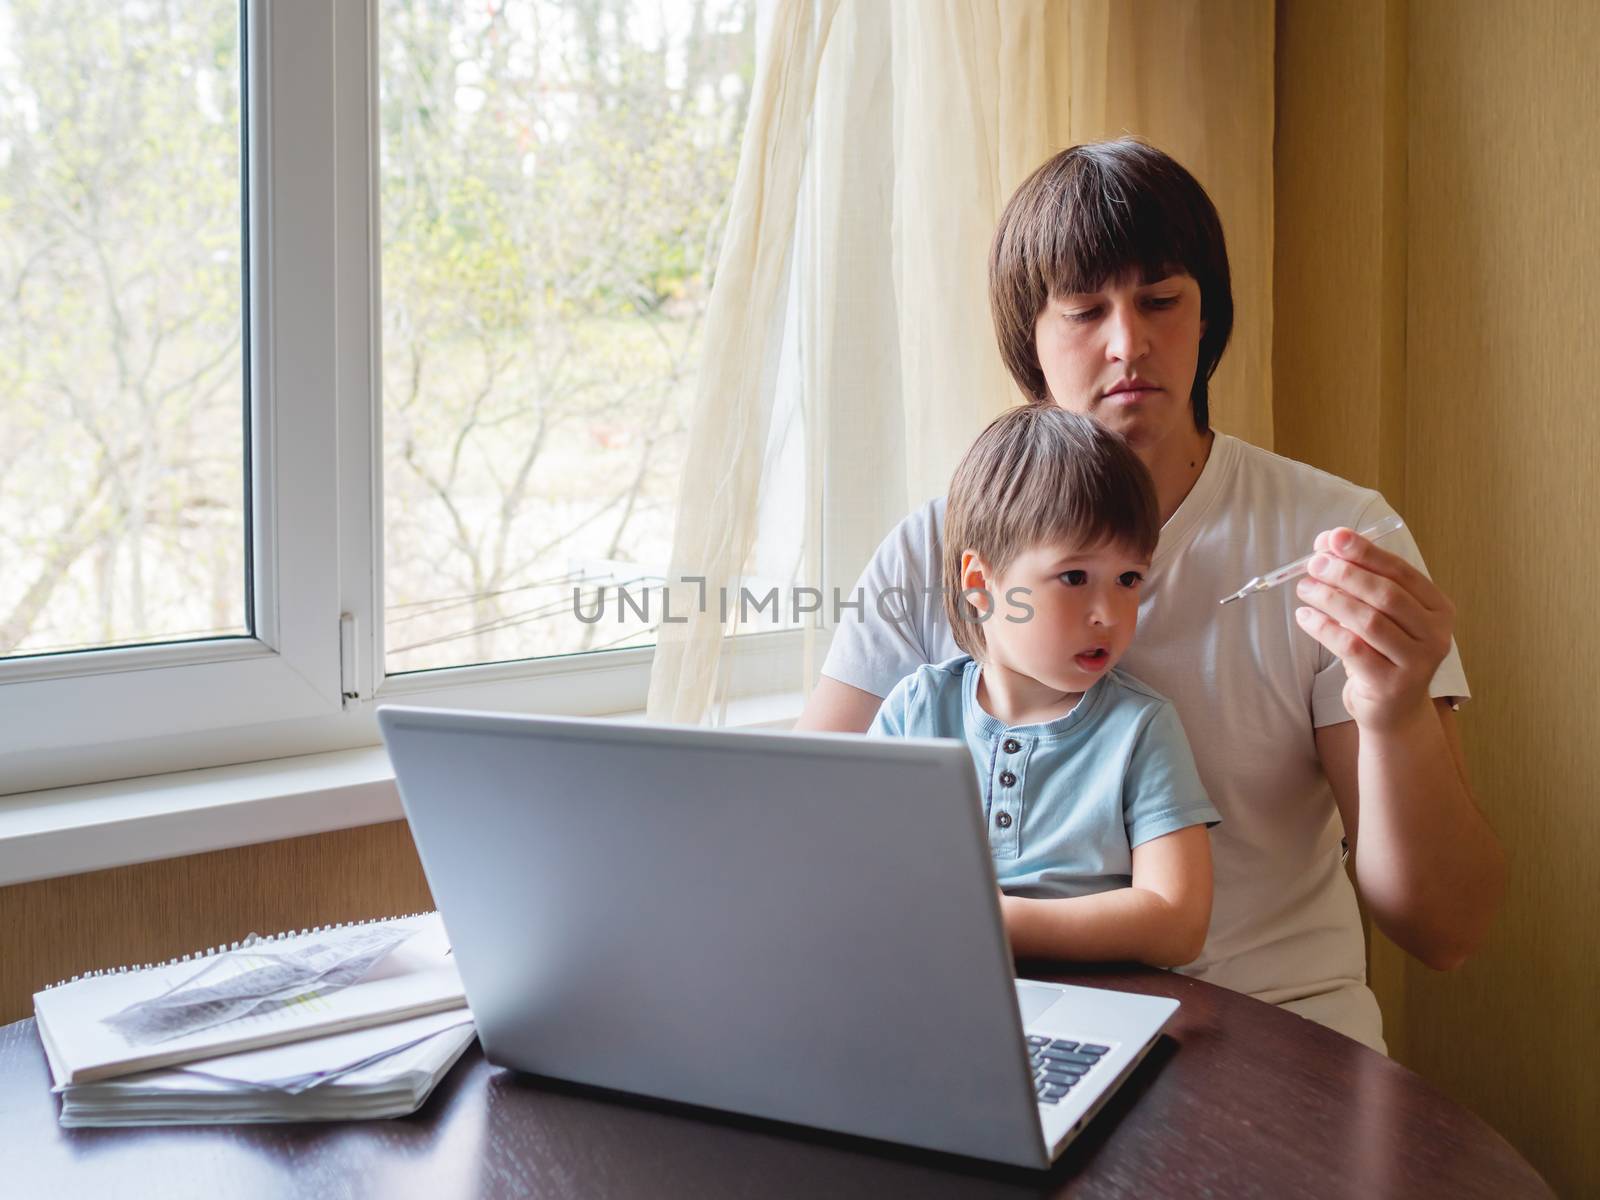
[{"x": 1250, "y": 687}]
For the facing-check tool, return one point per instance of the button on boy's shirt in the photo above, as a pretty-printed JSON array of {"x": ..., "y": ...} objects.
[{"x": 1066, "y": 801}]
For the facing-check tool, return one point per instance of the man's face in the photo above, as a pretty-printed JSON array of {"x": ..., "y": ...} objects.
[{"x": 1125, "y": 355}]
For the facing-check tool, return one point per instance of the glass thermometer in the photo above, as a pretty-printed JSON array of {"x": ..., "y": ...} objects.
[{"x": 1291, "y": 571}]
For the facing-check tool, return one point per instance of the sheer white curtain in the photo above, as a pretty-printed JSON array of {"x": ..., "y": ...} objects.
[{"x": 885, "y": 137}]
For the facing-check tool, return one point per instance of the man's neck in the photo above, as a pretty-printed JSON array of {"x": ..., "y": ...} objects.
[{"x": 1175, "y": 464}]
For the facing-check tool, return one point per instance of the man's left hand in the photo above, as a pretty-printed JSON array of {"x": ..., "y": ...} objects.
[{"x": 1387, "y": 622}]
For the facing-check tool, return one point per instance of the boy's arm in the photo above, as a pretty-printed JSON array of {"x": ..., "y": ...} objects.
[{"x": 1161, "y": 920}]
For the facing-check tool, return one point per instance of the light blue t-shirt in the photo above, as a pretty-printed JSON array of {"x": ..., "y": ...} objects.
[{"x": 1065, "y": 802}]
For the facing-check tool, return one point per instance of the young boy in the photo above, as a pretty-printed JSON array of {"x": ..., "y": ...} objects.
[{"x": 1095, "y": 811}]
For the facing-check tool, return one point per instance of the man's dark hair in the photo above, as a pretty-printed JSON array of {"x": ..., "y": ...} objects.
[
  {"x": 1040, "y": 475},
  {"x": 1096, "y": 213}
]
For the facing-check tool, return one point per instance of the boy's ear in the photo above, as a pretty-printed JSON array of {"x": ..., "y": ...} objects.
[{"x": 975, "y": 578}]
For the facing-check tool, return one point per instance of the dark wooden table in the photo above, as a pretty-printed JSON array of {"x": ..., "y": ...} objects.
[{"x": 1239, "y": 1099}]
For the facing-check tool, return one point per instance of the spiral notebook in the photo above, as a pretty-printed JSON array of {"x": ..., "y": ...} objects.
[
  {"x": 261, "y": 992},
  {"x": 384, "y": 1070}
]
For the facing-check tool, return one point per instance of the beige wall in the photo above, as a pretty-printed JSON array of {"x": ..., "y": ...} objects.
[{"x": 1438, "y": 335}]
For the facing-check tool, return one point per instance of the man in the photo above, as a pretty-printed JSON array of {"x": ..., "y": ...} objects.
[{"x": 1110, "y": 289}]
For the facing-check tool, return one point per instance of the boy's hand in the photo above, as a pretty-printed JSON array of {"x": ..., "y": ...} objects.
[{"x": 1387, "y": 621}]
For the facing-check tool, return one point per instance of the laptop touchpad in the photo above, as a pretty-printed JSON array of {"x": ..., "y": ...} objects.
[{"x": 1034, "y": 1000}]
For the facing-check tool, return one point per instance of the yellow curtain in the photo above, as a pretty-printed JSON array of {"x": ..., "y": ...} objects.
[
  {"x": 885, "y": 138},
  {"x": 1195, "y": 77}
]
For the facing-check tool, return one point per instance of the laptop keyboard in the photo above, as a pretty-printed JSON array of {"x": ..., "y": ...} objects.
[{"x": 1058, "y": 1064}]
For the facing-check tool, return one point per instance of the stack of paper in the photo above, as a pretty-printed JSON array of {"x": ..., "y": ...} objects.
[
  {"x": 357, "y": 1021},
  {"x": 381, "y": 1071}
]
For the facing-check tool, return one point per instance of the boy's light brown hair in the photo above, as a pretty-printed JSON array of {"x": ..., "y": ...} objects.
[{"x": 1040, "y": 475}]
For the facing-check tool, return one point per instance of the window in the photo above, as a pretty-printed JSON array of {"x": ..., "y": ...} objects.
[
  {"x": 122, "y": 514},
  {"x": 553, "y": 178},
  {"x": 349, "y": 343}
]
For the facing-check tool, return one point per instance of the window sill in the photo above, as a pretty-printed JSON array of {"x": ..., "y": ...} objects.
[{"x": 66, "y": 831}]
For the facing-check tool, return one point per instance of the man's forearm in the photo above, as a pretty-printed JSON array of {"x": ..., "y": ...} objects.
[
  {"x": 1429, "y": 868},
  {"x": 1125, "y": 925},
  {"x": 836, "y": 707}
]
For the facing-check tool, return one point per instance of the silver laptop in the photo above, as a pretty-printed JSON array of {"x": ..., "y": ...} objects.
[{"x": 801, "y": 927}]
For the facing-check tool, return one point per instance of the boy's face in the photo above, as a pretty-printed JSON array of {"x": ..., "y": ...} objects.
[
  {"x": 1125, "y": 355},
  {"x": 1085, "y": 602}
]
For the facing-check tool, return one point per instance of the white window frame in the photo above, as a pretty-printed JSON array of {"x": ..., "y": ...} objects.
[{"x": 311, "y": 677}]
